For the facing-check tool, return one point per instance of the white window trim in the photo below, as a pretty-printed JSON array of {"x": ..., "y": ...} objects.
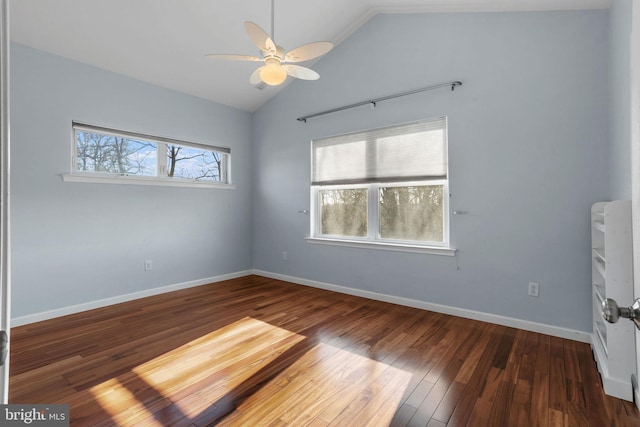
[
  {"x": 96, "y": 178},
  {"x": 431, "y": 250},
  {"x": 159, "y": 180}
]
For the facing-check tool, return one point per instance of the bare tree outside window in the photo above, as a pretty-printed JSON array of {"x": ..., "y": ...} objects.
[
  {"x": 129, "y": 157},
  {"x": 412, "y": 213},
  {"x": 193, "y": 163},
  {"x": 344, "y": 212},
  {"x": 111, "y": 154}
]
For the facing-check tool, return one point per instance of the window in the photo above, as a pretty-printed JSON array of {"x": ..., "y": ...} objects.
[
  {"x": 385, "y": 186},
  {"x": 101, "y": 154}
]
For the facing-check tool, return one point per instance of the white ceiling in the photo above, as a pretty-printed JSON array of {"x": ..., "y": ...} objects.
[{"x": 164, "y": 41}]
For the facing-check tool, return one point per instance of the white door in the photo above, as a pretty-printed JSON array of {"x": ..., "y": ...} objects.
[
  {"x": 634, "y": 311},
  {"x": 635, "y": 172},
  {"x": 4, "y": 202}
]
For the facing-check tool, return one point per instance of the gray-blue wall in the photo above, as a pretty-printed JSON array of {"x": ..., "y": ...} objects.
[
  {"x": 620, "y": 99},
  {"x": 76, "y": 243},
  {"x": 529, "y": 154},
  {"x": 528, "y": 151}
]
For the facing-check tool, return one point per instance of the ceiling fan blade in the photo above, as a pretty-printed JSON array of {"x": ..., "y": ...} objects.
[
  {"x": 233, "y": 57},
  {"x": 255, "y": 77},
  {"x": 257, "y": 34},
  {"x": 271, "y": 46},
  {"x": 301, "y": 72},
  {"x": 308, "y": 51}
]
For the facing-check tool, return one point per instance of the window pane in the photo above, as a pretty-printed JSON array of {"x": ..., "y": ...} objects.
[
  {"x": 344, "y": 212},
  {"x": 114, "y": 154},
  {"x": 412, "y": 213},
  {"x": 194, "y": 163},
  {"x": 340, "y": 162}
]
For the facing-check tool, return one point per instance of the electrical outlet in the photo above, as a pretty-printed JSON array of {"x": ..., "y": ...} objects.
[
  {"x": 284, "y": 255},
  {"x": 534, "y": 289},
  {"x": 148, "y": 265}
]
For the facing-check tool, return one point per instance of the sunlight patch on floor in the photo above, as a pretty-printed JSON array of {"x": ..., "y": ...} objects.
[
  {"x": 327, "y": 385},
  {"x": 115, "y": 398},
  {"x": 192, "y": 377}
]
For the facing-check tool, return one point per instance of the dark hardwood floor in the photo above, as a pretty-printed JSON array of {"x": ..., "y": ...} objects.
[{"x": 256, "y": 351}]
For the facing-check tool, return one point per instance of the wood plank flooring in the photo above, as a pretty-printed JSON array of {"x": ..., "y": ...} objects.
[{"x": 256, "y": 351}]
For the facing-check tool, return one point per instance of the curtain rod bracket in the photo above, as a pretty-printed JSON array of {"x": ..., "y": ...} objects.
[{"x": 374, "y": 102}]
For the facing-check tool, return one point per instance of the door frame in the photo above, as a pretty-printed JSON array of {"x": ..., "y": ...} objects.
[
  {"x": 5, "y": 260},
  {"x": 635, "y": 172}
]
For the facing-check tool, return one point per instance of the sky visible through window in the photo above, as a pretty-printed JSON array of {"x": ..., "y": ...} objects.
[{"x": 106, "y": 153}]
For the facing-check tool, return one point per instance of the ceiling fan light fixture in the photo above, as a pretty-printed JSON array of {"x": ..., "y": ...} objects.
[
  {"x": 278, "y": 64},
  {"x": 273, "y": 73}
]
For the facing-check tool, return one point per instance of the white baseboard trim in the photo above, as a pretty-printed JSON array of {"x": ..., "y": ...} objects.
[
  {"x": 46, "y": 315},
  {"x": 454, "y": 311},
  {"x": 526, "y": 325},
  {"x": 617, "y": 388},
  {"x": 621, "y": 388}
]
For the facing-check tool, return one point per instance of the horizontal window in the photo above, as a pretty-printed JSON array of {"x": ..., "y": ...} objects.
[
  {"x": 413, "y": 213},
  {"x": 383, "y": 186},
  {"x": 127, "y": 157}
]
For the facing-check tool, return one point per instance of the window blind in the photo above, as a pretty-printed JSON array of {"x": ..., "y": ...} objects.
[
  {"x": 136, "y": 136},
  {"x": 409, "y": 152}
]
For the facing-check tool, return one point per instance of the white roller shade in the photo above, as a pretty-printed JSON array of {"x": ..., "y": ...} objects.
[
  {"x": 409, "y": 152},
  {"x": 136, "y": 136}
]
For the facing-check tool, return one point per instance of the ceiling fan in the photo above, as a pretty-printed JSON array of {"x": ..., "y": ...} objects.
[{"x": 277, "y": 64}]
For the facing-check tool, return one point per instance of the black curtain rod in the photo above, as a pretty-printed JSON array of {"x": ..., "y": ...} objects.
[{"x": 373, "y": 102}]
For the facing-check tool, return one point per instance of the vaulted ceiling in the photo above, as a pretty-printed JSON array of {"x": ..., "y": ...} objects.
[{"x": 164, "y": 41}]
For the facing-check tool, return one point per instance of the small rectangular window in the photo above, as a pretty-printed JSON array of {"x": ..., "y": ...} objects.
[{"x": 107, "y": 153}]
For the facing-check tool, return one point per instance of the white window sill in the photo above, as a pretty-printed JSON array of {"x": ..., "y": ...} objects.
[
  {"x": 432, "y": 250},
  {"x": 142, "y": 180}
]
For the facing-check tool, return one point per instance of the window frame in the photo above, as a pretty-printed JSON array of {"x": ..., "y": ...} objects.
[
  {"x": 373, "y": 239},
  {"x": 161, "y": 178}
]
